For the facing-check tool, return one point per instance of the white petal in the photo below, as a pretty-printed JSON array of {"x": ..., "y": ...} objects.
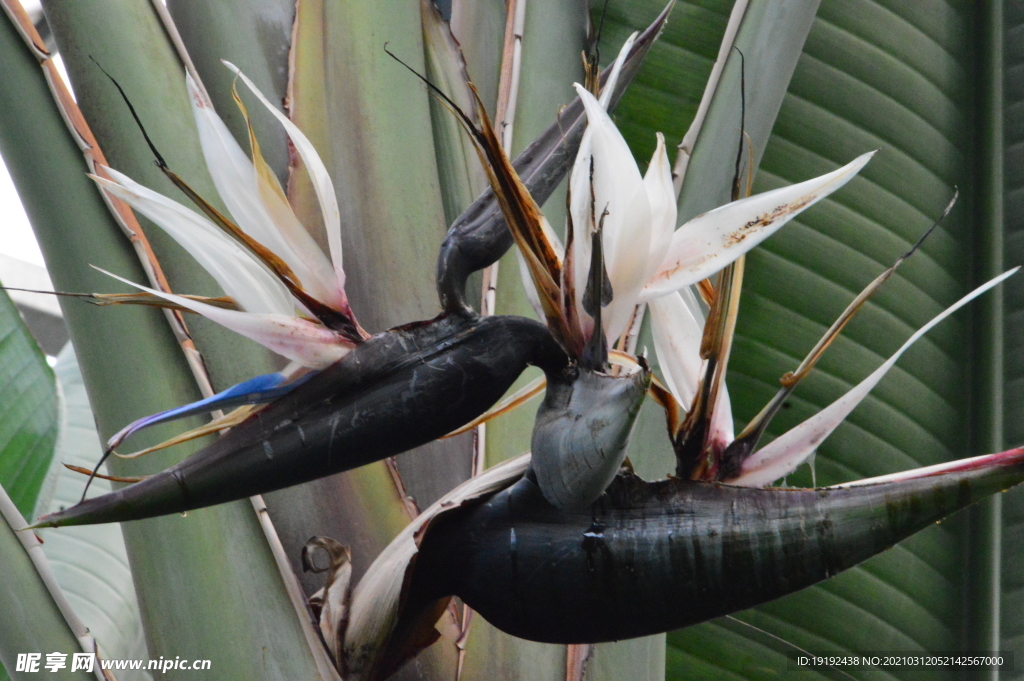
[
  {"x": 781, "y": 456},
  {"x": 677, "y": 336},
  {"x": 253, "y": 286},
  {"x": 711, "y": 241},
  {"x": 721, "y": 427},
  {"x": 237, "y": 183},
  {"x": 317, "y": 172},
  {"x": 313, "y": 269},
  {"x": 677, "y": 325},
  {"x": 662, "y": 198},
  {"x": 1009, "y": 457},
  {"x": 619, "y": 189},
  {"x": 579, "y": 210},
  {"x": 304, "y": 342},
  {"x": 613, "y": 76}
]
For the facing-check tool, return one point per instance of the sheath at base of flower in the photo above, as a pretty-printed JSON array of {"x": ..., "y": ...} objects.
[{"x": 581, "y": 433}]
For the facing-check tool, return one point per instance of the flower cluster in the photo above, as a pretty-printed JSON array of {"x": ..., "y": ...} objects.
[{"x": 287, "y": 295}]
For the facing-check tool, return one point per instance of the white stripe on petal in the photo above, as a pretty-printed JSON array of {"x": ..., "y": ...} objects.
[
  {"x": 253, "y": 286},
  {"x": 317, "y": 172},
  {"x": 304, "y": 342},
  {"x": 711, "y": 241},
  {"x": 782, "y": 455}
]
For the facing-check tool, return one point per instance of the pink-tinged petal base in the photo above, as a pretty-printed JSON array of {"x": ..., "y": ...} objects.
[
  {"x": 299, "y": 340},
  {"x": 1011, "y": 457}
]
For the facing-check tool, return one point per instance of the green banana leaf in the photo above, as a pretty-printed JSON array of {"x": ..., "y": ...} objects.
[
  {"x": 28, "y": 405},
  {"x": 89, "y": 563},
  {"x": 1010, "y": 34},
  {"x": 28, "y": 428},
  {"x": 29, "y": 424}
]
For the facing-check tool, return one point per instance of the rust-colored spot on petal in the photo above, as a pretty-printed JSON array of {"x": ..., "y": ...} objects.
[{"x": 767, "y": 219}]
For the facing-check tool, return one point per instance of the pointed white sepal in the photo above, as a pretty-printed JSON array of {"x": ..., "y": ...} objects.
[
  {"x": 238, "y": 184},
  {"x": 782, "y": 455},
  {"x": 709, "y": 242},
  {"x": 662, "y": 198},
  {"x": 304, "y": 342},
  {"x": 1010, "y": 456},
  {"x": 251, "y": 283},
  {"x": 677, "y": 335},
  {"x": 613, "y": 75},
  {"x": 317, "y": 172},
  {"x": 618, "y": 189}
]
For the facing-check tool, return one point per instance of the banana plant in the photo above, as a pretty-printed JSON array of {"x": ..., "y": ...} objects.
[{"x": 400, "y": 167}]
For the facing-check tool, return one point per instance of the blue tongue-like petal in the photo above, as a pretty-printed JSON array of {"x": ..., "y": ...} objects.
[{"x": 258, "y": 390}]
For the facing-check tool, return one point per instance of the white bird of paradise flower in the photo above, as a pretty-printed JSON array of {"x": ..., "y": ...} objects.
[
  {"x": 285, "y": 294},
  {"x": 270, "y": 312}
]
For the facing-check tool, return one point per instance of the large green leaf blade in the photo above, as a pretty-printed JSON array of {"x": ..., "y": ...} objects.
[
  {"x": 28, "y": 410},
  {"x": 28, "y": 416},
  {"x": 666, "y": 92},
  {"x": 888, "y": 77},
  {"x": 89, "y": 563}
]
